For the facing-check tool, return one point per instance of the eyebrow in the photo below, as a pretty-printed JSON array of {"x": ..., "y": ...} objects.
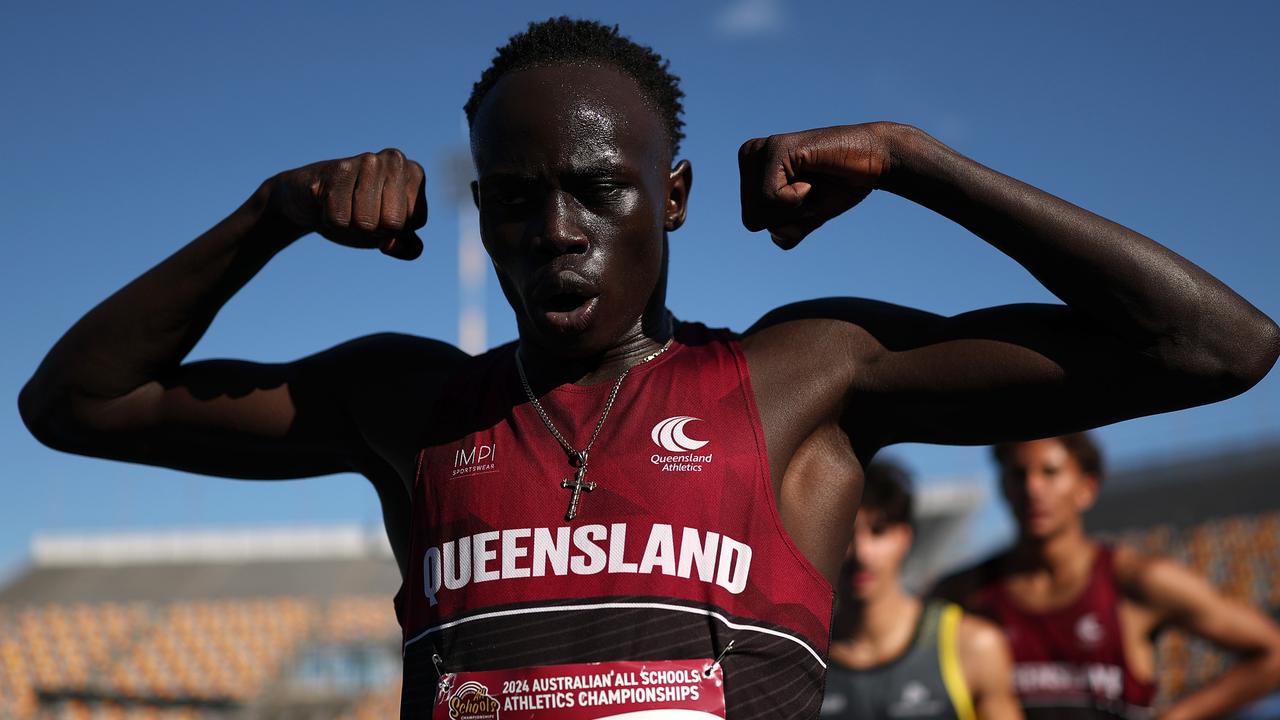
[{"x": 597, "y": 168}]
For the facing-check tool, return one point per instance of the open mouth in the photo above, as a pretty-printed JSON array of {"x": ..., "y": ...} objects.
[
  {"x": 567, "y": 301},
  {"x": 569, "y": 312}
]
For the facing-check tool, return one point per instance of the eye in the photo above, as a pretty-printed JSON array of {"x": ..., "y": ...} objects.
[
  {"x": 510, "y": 197},
  {"x": 599, "y": 191},
  {"x": 509, "y": 192}
]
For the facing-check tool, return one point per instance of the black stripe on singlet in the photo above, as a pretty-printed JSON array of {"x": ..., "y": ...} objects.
[{"x": 770, "y": 673}]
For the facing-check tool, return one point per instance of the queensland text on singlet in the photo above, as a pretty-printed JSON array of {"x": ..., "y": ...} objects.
[{"x": 584, "y": 550}]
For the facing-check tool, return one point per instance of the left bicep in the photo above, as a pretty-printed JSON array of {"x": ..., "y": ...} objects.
[{"x": 1009, "y": 372}]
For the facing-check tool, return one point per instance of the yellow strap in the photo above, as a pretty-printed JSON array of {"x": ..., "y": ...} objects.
[{"x": 949, "y": 660}]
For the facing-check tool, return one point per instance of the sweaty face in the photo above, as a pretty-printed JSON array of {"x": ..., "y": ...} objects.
[
  {"x": 573, "y": 185},
  {"x": 1046, "y": 489},
  {"x": 874, "y": 559}
]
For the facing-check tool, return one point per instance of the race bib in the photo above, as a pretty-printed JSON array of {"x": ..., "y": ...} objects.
[{"x": 657, "y": 690}]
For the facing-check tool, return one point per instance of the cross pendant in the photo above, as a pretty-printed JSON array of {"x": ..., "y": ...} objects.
[{"x": 577, "y": 485}]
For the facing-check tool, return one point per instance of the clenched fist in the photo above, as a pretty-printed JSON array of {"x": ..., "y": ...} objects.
[
  {"x": 793, "y": 183},
  {"x": 370, "y": 200}
]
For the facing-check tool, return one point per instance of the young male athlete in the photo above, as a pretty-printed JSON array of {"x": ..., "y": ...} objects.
[
  {"x": 893, "y": 656},
  {"x": 1081, "y": 616},
  {"x": 616, "y": 484}
]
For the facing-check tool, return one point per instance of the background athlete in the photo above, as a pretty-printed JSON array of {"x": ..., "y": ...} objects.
[
  {"x": 893, "y": 656},
  {"x": 1082, "y": 616},
  {"x": 575, "y": 135}
]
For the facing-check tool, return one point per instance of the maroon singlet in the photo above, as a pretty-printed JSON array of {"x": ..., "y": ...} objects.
[
  {"x": 677, "y": 551},
  {"x": 1070, "y": 662}
]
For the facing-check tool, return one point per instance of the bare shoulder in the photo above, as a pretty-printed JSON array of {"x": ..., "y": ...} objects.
[
  {"x": 987, "y": 663},
  {"x": 829, "y": 347},
  {"x": 797, "y": 333},
  {"x": 1166, "y": 589},
  {"x": 1142, "y": 575},
  {"x": 390, "y": 382},
  {"x": 392, "y": 352},
  {"x": 381, "y": 371},
  {"x": 981, "y": 639},
  {"x": 867, "y": 324}
]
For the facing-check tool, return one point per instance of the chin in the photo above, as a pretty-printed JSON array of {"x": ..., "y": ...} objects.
[
  {"x": 570, "y": 344},
  {"x": 1039, "y": 533},
  {"x": 586, "y": 336}
]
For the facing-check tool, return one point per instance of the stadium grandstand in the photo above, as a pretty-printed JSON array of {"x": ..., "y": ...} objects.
[{"x": 285, "y": 623}]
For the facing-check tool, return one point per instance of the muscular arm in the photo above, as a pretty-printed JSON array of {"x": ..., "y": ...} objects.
[
  {"x": 1182, "y": 598},
  {"x": 988, "y": 669},
  {"x": 115, "y": 385},
  {"x": 1142, "y": 329}
]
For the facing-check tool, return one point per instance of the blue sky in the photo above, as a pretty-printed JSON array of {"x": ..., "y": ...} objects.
[{"x": 128, "y": 130}]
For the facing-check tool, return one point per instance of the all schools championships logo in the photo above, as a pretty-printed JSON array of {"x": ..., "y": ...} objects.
[
  {"x": 472, "y": 701},
  {"x": 670, "y": 435}
]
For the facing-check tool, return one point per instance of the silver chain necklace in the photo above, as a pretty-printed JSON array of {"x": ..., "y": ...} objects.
[{"x": 578, "y": 458}]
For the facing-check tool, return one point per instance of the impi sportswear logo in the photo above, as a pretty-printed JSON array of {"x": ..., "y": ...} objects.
[{"x": 670, "y": 435}]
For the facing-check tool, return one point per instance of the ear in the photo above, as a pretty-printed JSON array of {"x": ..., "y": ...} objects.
[
  {"x": 475, "y": 193},
  {"x": 678, "y": 185}
]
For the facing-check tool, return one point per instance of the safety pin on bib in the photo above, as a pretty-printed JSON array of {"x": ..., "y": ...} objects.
[{"x": 708, "y": 670}]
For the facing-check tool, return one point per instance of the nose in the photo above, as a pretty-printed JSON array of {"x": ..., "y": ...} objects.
[{"x": 561, "y": 229}]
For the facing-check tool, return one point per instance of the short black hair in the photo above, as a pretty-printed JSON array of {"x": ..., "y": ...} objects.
[
  {"x": 886, "y": 490},
  {"x": 1080, "y": 446},
  {"x": 565, "y": 40}
]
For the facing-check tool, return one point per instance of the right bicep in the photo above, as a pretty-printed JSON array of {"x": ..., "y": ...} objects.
[{"x": 240, "y": 419}]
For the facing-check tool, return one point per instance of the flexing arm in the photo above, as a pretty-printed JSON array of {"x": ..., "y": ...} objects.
[
  {"x": 988, "y": 669},
  {"x": 1143, "y": 330},
  {"x": 1182, "y": 598},
  {"x": 114, "y": 385}
]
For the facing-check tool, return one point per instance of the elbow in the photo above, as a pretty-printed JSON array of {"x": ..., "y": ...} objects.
[
  {"x": 1238, "y": 358},
  {"x": 38, "y": 409},
  {"x": 33, "y": 408},
  {"x": 1269, "y": 666},
  {"x": 1254, "y": 353}
]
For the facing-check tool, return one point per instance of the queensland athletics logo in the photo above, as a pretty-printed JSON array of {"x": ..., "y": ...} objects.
[
  {"x": 1089, "y": 630},
  {"x": 472, "y": 701},
  {"x": 670, "y": 435}
]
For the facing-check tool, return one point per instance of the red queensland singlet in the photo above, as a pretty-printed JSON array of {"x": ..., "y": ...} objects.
[
  {"x": 1070, "y": 662},
  {"x": 677, "y": 551}
]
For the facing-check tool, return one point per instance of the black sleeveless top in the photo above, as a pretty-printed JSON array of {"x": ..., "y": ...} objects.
[{"x": 924, "y": 683}]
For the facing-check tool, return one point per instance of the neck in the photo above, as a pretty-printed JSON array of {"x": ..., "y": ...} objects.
[
  {"x": 880, "y": 617},
  {"x": 878, "y": 629},
  {"x": 647, "y": 336}
]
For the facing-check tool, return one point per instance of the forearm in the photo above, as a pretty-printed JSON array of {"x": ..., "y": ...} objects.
[
  {"x": 1129, "y": 285},
  {"x": 1242, "y": 684},
  {"x": 150, "y": 325}
]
